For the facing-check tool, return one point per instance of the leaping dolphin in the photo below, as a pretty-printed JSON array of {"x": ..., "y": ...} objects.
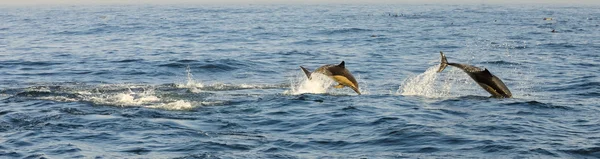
[
  {"x": 483, "y": 77},
  {"x": 338, "y": 73}
]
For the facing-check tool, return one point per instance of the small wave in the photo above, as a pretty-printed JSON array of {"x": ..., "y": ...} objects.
[
  {"x": 73, "y": 111},
  {"x": 43, "y": 93},
  {"x": 312, "y": 42},
  {"x": 5, "y": 112},
  {"x": 187, "y": 61},
  {"x": 383, "y": 120},
  {"x": 227, "y": 87},
  {"x": 578, "y": 86},
  {"x": 308, "y": 97},
  {"x": 544, "y": 152},
  {"x": 592, "y": 151},
  {"x": 495, "y": 148},
  {"x": 447, "y": 47},
  {"x": 209, "y": 65},
  {"x": 521, "y": 37},
  {"x": 502, "y": 62},
  {"x": 591, "y": 65},
  {"x": 96, "y": 30},
  {"x": 345, "y": 31},
  {"x": 138, "y": 151},
  {"x": 471, "y": 97},
  {"x": 26, "y": 120},
  {"x": 34, "y": 93},
  {"x": 197, "y": 86},
  {"x": 200, "y": 155},
  {"x": 129, "y": 60},
  {"x": 217, "y": 67},
  {"x": 540, "y": 105},
  {"x": 29, "y": 63},
  {"x": 590, "y": 94},
  {"x": 102, "y": 28},
  {"x": 557, "y": 45},
  {"x": 295, "y": 52},
  {"x": 462, "y": 98}
]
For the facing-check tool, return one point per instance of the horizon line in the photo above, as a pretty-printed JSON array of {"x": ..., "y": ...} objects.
[{"x": 298, "y": 2}]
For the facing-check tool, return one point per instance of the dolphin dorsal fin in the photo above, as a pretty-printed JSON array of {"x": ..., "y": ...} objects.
[
  {"x": 342, "y": 65},
  {"x": 487, "y": 72}
]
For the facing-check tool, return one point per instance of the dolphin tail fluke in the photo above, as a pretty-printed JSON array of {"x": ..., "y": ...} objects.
[
  {"x": 444, "y": 62},
  {"x": 306, "y": 72}
]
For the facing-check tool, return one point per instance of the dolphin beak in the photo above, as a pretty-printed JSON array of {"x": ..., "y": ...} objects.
[{"x": 356, "y": 90}]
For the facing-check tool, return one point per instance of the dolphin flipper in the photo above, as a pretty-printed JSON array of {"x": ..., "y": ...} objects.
[
  {"x": 339, "y": 86},
  {"x": 443, "y": 64},
  {"x": 306, "y": 72}
]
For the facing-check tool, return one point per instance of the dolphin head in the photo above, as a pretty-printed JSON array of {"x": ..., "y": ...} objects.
[
  {"x": 340, "y": 74},
  {"x": 491, "y": 83}
]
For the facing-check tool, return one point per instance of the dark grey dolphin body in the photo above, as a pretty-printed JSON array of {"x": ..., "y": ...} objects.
[
  {"x": 483, "y": 77},
  {"x": 338, "y": 73}
]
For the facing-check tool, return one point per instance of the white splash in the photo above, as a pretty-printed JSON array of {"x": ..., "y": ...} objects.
[
  {"x": 193, "y": 85},
  {"x": 129, "y": 98},
  {"x": 425, "y": 84},
  {"x": 317, "y": 85},
  {"x": 450, "y": 83}
]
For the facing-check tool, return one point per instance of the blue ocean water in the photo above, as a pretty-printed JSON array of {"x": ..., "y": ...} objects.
[{"x": 197, "y": 81}]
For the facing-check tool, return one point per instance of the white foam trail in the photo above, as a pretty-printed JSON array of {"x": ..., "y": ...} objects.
[
  {"x": 177, "y": 105},
  {"x": 213, "y": 103},
  {"x": 255, "y": 86},
  {"x": 317, "y": 85},
  {"x": 425, "y": 84},
  {"x": 59, "y": 98},
  {"x": 129, "y": 98},
  {"x": 146, "y": 98},
  {"x": 123, "y": 95}
]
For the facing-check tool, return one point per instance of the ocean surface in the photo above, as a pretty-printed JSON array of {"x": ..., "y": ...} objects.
[{"x": 211, "y": 81}]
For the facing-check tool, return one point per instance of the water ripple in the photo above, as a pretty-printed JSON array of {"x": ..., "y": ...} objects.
[{"x": 115, "y": 81}]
